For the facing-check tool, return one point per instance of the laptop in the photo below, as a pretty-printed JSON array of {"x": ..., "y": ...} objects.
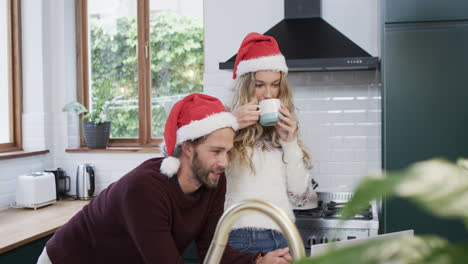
[{"x": 319, "y": 249}]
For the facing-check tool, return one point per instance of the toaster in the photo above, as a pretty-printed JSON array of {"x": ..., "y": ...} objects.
[{"x": 35, "y": 190}]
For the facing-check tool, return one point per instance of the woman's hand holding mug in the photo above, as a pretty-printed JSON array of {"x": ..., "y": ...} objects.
[
  {"x": 287, "y": 127},
  {"x": 247, "y": 114}
]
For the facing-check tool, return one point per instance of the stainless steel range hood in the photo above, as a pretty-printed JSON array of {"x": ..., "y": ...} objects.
[{"x": 309, "y": 43}]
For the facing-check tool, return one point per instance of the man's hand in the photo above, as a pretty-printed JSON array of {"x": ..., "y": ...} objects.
[
  {"x": 279, "y": 256},
  {"x": 247, "y": 114}
]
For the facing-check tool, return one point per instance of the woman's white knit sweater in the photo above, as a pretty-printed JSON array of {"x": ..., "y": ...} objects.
[{"x": 282, "y": 181}]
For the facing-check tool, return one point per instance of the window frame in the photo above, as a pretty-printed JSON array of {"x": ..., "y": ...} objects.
[
  {"x": 144, "y": 139},
  {"x": 14, "y": 76}
]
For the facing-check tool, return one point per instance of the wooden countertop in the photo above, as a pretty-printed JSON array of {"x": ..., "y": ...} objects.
[{"x": 21, "y": 226}]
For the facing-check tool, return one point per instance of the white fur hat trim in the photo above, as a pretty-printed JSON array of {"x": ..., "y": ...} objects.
[
  {"x": 268, "y": 63},
  {"x": 205, "y": 126}
]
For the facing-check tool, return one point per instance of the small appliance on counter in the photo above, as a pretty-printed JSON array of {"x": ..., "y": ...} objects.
[
  {"x": 85, "y": 182},
  {"x": 35, "y": 190},
  {"x": 62, "y": 182}
]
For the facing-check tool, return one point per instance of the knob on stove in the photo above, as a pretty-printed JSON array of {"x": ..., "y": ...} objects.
[{"x": 311, "y": 241}]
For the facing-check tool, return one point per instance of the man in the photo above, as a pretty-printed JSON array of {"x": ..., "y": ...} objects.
[{"x": 153, "y": 212}]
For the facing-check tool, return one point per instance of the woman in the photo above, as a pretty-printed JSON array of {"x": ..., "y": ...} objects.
[{"x": 267, "y": 163}]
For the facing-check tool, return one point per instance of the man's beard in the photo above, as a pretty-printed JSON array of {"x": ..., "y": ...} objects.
[{"x": 202, "y": 173}]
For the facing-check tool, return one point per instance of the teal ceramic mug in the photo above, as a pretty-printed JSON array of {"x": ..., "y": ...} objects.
[{"x": 269, "y": 112}]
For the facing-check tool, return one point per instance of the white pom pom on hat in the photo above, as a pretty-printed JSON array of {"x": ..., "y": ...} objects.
[{"x": 170, "y": 166}]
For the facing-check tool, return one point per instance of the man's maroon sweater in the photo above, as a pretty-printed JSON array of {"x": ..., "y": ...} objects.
[{"x": 143, "y": 218}]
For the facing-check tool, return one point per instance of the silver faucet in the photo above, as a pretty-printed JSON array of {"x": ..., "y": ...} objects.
[{"x": 227, "y": 220}]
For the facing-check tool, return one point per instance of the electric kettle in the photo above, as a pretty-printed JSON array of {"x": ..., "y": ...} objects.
[{"x": 85, "y": 182}]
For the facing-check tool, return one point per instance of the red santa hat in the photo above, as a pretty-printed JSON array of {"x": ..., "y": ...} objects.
[
  {"x": 194, "y": 116},
  {"x": 258, "y": 53}
]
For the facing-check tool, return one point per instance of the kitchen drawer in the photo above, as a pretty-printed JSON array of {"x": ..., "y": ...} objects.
[
  {"x": 425, "y": 10},
  {"x": 28, "y": 253}
]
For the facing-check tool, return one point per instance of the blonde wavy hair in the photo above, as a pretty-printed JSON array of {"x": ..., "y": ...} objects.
[{"x": 246, "y": 138}]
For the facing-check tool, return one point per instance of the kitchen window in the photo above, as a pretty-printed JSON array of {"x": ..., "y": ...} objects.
[
  {"x": 10, "y": 75},
  {"x": 139, "y": 56}
]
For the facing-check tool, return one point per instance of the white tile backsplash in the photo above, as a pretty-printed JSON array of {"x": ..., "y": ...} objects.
[
  {"x": 109, "y": 167},
  {"x": 340, "y": 122}
]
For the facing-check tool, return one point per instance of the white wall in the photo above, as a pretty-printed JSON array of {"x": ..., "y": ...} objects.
[
  {"x": 340, "y": 122},
  {"x": 227, "y": 22},
  {"x": 35, "y": 90},
  {"x": 4, "y": 91},
  {"x": 359, "y": 20}
]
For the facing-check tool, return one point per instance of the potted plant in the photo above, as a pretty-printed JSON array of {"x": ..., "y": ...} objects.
[
  {"x": 438, "y": 186},
  {"x": 95, "y": 125}
]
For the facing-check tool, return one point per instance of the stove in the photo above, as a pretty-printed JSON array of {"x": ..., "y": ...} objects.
[{"x": 322, "y": 224}]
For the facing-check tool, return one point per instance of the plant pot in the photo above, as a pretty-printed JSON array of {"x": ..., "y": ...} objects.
[{"x": 96, "y": 134}]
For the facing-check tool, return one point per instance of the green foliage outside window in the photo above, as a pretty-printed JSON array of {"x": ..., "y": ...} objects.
[{"x": 176, "y": 68}]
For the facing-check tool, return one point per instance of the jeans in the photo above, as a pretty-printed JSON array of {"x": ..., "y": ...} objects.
[{"x": 254, "y": 240}]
